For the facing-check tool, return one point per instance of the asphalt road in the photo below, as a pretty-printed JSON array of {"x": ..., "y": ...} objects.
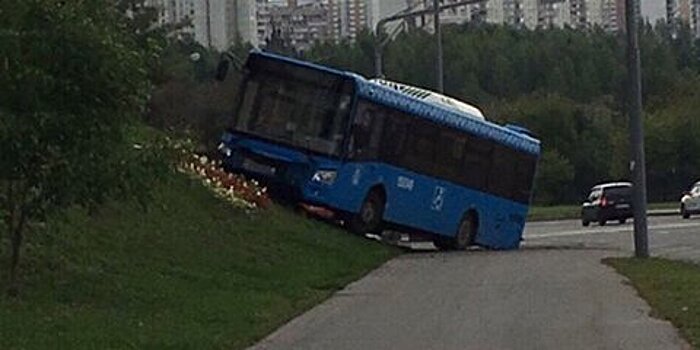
[
  {"x": 552, "y": 294},
  {"x": 669, "y": 236}
]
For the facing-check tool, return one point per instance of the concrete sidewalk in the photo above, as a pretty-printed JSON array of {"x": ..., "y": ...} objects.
[{"x": 527, "y": 299}]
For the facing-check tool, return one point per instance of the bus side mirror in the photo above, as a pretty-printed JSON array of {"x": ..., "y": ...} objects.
[
  {"x": 227, "y": 59},
  {"x": 222, "y": 69}
]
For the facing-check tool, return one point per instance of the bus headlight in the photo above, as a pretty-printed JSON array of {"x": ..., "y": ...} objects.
[
  {"x": 225, "y": 149},
  {"x": 325, "y": 176}
]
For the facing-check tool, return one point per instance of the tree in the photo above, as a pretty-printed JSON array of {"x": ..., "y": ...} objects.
[
  {"x": 555, "y": 172},
  {"x": 73, "y": 83}
]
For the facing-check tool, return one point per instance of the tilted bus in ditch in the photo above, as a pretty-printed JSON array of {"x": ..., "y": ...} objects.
[{"x": 380, "y": 154}]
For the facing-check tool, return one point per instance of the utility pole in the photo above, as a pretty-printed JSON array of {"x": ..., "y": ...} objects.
[
  {"x": 208, "y": 14},
  {"x": 380, "y": 44},
  {"x": 637, "y": 165},
  {"x": 438, "y": 41}
]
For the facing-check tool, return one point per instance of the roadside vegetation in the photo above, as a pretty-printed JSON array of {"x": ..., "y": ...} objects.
[
  {"x": 670, "y": 287},
  {"x": 190, "y": 272},
  {"x": 558, "y": 212},
  {"x": 566, "y": 212},
  {"x": 112, "y": 233}
]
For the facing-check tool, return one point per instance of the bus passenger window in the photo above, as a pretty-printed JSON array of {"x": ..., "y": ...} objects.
[
  {"x": 392, "y": 138},
  {"x": 450, "y": 152},
  {"x": 477, "y": 162},
  {"x": 420, "y": 147},
  {"x": 525, "y": 173},
  {"x": 366, "y": 133}
]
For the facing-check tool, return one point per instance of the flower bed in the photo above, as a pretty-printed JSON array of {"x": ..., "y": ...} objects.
[{"x": 235, "y": 189}]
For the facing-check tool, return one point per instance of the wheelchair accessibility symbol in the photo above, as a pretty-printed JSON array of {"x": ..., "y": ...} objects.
[{"x": 438, "y": 198}]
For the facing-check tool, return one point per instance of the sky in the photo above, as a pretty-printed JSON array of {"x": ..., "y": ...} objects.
[{"x": 653, "y": 9}]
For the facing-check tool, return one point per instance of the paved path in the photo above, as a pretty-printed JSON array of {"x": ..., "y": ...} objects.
[{"x": 535, "y": 298}]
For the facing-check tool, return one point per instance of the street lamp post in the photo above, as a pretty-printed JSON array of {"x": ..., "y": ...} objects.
[
  {"x": 208, "y": 13},
  {"x": 637, "y": 165},
  {"x": 438, "y": 42}
]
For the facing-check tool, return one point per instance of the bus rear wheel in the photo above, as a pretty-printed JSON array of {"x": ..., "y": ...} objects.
[
  {"x": 369, "y": 219},
  {"x": 443, "y": 243},
  {"x": 466, "y": 233}
]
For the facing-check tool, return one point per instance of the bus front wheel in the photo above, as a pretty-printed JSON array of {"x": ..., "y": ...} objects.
[{"x": 369, "y": 219}]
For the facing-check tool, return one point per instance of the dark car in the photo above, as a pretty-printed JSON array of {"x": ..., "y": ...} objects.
[{"x": 606, "y": 202}]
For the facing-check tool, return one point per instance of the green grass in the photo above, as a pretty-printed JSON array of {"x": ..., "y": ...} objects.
[
  {"x": 190, "y": 272},
  {"x": 670, "y": 287},
  {"x": 564, "y": 212},
  {"x": 665, "y": 205},
  {"x": 559, "y": 212}
]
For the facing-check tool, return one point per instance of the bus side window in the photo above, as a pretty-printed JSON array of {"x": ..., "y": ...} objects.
[
  {"x": 392, "y": 138},
  {"x": 524, "y": 175},
  {"x": 450, "y": 152},
  {"x": 377, "y": 127},
  {"x": 503, "y": 179},
  {"x": 477, "y": 162},
  {"x": 420, "y": 147},
  {"x": 366, "y": 133}
]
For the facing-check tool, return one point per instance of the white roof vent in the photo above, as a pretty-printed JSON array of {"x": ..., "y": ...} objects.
[{"x": 434, "y": 97}]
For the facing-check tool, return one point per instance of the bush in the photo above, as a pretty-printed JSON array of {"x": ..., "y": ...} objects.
[{"x": 73, "y": 85}]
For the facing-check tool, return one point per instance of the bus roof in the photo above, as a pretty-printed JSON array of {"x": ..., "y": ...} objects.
[
  {"x": 431, "y": 96},
  {"x": 305, "y": 64},
  {"x": 612, "y": 184},
  {"x": 457, "y": 118}
]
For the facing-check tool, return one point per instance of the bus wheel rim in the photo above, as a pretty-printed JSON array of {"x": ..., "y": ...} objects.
[
  {"x": 367, "y": 213},
  {"x": 464, "y": 232}
]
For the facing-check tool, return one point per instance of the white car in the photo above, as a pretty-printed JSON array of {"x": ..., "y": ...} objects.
[{"x": 690, "y": 203}]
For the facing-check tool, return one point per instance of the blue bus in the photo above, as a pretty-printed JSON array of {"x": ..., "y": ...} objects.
[{"x": 381, "y": 155}]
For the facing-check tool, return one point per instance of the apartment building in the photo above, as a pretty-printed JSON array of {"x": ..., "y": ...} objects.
[
  {"x": 348, "y": 18},
  {"x": 297, "y": 27},
  {"x": 213, "y": 23},
  {"x": 687, "y": 12}
]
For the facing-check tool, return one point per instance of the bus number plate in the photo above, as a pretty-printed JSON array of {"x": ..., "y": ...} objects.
[{"x": 256, "y": 167}]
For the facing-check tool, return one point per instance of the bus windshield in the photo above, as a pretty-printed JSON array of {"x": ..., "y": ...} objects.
[{"x": 287, "y": 106}]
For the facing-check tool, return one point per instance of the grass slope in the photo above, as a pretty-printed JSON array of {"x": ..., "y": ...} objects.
[
  {"x": 188, "y": 273},
  {"x": 670, "y": 287}
]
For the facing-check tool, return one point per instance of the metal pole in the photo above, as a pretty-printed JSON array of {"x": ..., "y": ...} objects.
[
  {"x": 438, "y": 39},
  {"x": 208, "y": 13},
  {"x": 379, "y": 44},
  {"x": 378, "y": 62},
  {"x": 637, "y": 165},
  {"x": 378, "y": 51}
]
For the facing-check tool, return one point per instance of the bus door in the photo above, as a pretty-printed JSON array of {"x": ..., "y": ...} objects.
[
  {"x": 448, "y": 201},
  {"x": 425, "y": 203},
  {"x": 364, "y": 149},
  {"x": 509, "y": 179},
  {"x": 400, "y": 184}
]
